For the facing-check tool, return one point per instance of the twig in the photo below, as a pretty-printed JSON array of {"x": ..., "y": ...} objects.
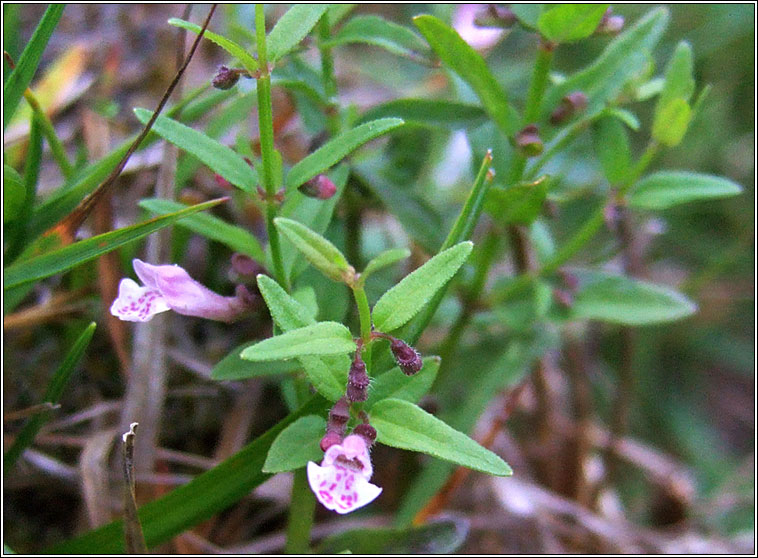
[{"x": 135, "y": 540}]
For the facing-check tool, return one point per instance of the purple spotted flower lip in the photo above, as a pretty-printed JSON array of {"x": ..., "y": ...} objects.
[
  {"x": 170, "y": 287},
  {"x": 341, "y": 482}
]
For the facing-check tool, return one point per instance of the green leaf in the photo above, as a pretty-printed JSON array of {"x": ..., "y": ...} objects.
[
  {"x": 665, "y": 189},
  {"x": 286, "y": 312},
  {"x": 53, "y": 394},
  {"x": 319, "y": 251},
  {"x": 622, "y": 300},
  {"x": 672, "y": 122},
  {"x": 14, "y": 193},
  {"x": 337, "y": 12},
  {"x": 236, "y": 238},
  {"x": 678, "y": 80},
  {"x": 385, "y": 259},
  {"x": 528, "y": 15},
  {"x": 396, "y": 385},
  {"x": 296, "y": 445},
  {"x": 323, "y": 338},
  {"x": 206, "y": 495},
  {"x": 440, "y": 536},
  {"x": 624, "y": 58},
  {"x": 250, "y": 63},
  {"x": 403, "y": 425},
  {"x": 471, "y": 67},
  {"x": 218, "y": 157},
  {"x": 377, "y": 31},
  {"x": 404, "y": 300},
  {"x": 337, "y": 148},
  {"x": 611, "y": 142},
  {"x": 327, "y": 374},
  {"x": 233, "y": 367},
  {"x": 26, "y": 65},
  {"x": 430, "y": 112},
  {"x": 292, "y": 28},
  {"x": 566, "y": 23},
  {"x": 520, "y": 204},
  {"x": 625, "y": 116},
  {"x": 77, "y": 253}
]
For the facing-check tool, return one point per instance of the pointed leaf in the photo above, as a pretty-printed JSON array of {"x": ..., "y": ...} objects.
[
  {"x": 26, "y": 65},
  {"x": 377, "y": 31},
  {"x": 319, "y": 251},
  {"x": 385, "y": 259},
  {"x": 14, "y": 193},
  {"x": 439, "y": 536},
  {"x": 432, "y": 112},
  {"x": 286, "y": 312},
  {"x": 404, "y": 300},
  {"x": 403, "y": 425},
  {"x": 323, "y": 338},
  {"x": 665, "y": 189},
  {"x": 678, "y": 83},
  {"x": 333, "y": 151},
  {"x": 292, "y": 28},
  {"x": 566, "y": 23},
  {"x": 233, "y": 367},
  {"x": 458, "y": 55},
  {"x": 250, "y": 63},
  {"x": 218, "y": 157},
  {"x": 77, "y": 253},
  {"x": 296, "y": 445},
  {"x": 236, "y": 238},
  {"x": 396, "y": 385},
  {"x": 622, "y": 300}
]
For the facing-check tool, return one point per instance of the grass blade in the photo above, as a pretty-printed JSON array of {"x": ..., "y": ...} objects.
[
  {"x": 53, "y": 395},
  {"x": 72, "y": 255}
]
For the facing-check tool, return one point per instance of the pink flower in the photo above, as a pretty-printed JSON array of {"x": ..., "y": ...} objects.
[
  {"x": 341, "y": 481},
  {"x": 481, "y": 38},
  {"x": 169, "y": 287}
]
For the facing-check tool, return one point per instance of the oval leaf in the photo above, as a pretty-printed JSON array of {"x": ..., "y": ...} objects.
[
  {"x": 319, "y": 251},
  {"x": 218, "y": 157},
  {"x": 292, "y": 28},
  {"x": 337, "y": 148},
  {"x": 250, "y": 63},
  {"x": 403, "y": 425},
  {"x": 622, "y": 300},
  {"x": 296, "y": 445},
  {"x": 232, "y": 367},
  {"x": 324, "y": 338},
  {"x": 566, "y": 23},
  {"x": 678, "y": 83},
  {"x": 236, "y": 238},
  {"x": 458, "y": 55},
  {"x": 404, "y": 300},
  {"x": 668, "y": 188}
]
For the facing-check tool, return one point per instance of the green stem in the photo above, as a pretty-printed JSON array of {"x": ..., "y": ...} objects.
[
  {"x": 268, "y": 152},
  {"x": 539, "y": 82},
  {"x": 56, "y": 147},
  {"x": 364, "y": 315},
  {"x": 300, "y": 515}
]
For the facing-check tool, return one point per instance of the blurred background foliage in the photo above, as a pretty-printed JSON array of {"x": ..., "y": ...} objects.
[{"x": 694, "y": 395}]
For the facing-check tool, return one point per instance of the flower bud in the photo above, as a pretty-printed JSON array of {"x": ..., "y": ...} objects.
[
  {"x": 319, "y": 187},
  {"x": 528, "y": 141},
  {"x": 367, "y": 432},
  {"x": 406, "y": 356},
  {"x": 339, "y": 413},
  {"x": 563, "y": 297},
  {"x": 571, "y": 104},
  {"x": 245, "y": 265},
  {"x": 610, "y": 24},
  {"x": 226, "y": 78},
  {"x": 222, "y": 182},
  {"x": 331, "y": 438},
  {"x": 357, "y": 381}
]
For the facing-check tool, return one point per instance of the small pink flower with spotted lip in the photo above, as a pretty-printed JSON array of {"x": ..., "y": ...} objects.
[
  {"x": 341, "y": 482},
  {"x": 170, "y": 287}
]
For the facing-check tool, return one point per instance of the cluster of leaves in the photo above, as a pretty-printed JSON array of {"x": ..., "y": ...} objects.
[{"x": 509, "y": 186}]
